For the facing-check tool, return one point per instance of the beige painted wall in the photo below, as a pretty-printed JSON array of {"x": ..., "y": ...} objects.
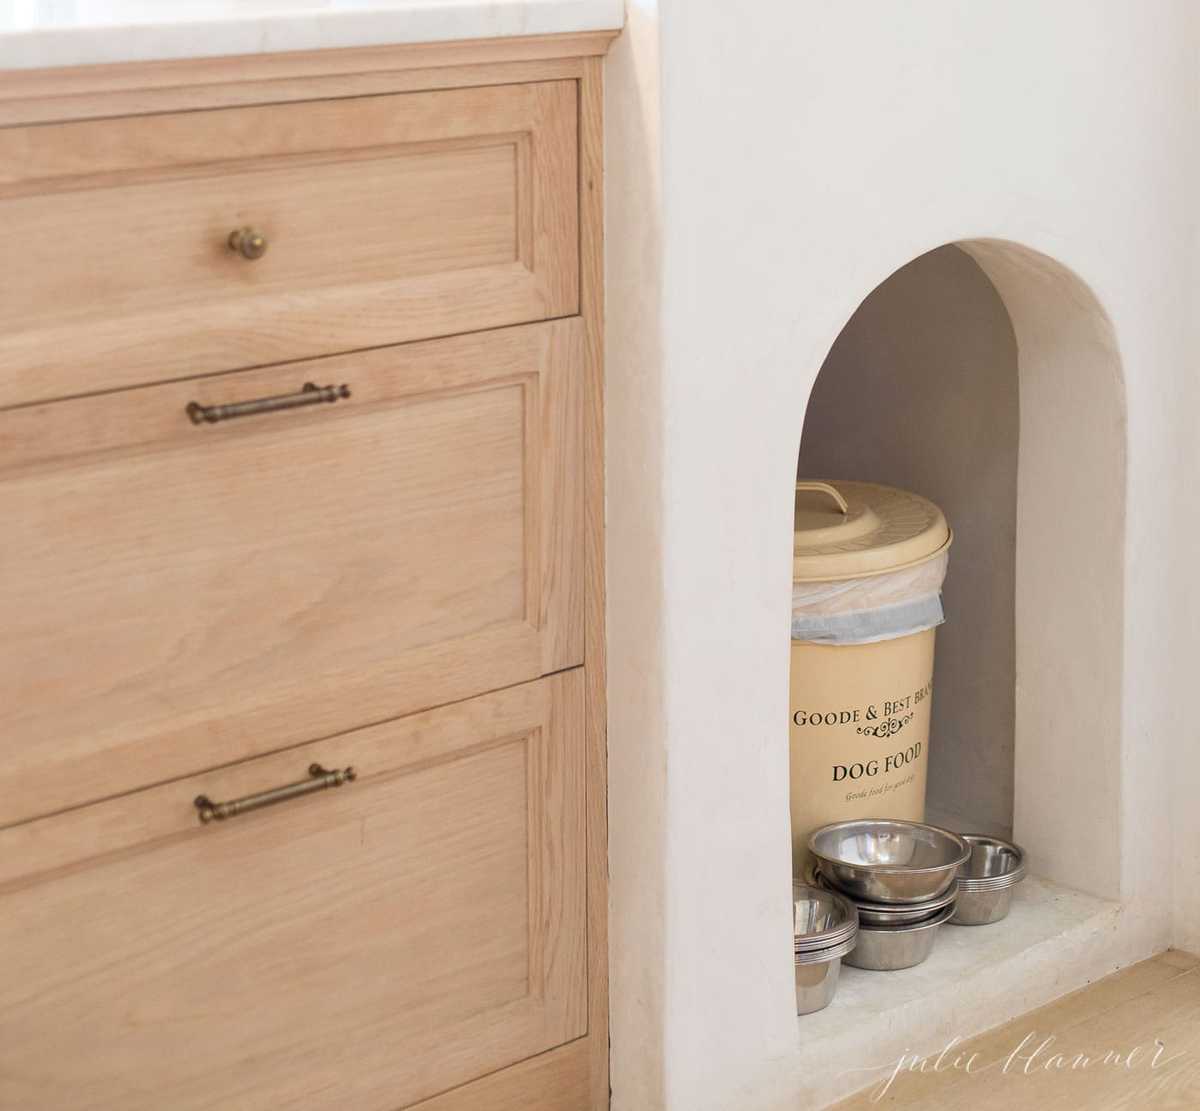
[{"x": 920, "y": 391}]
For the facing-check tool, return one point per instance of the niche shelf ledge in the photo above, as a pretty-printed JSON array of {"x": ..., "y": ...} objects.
[{"x": 1054, "y": 941}]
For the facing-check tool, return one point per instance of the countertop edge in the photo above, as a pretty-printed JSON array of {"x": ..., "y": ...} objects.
[{"x": 289, "y": 32}]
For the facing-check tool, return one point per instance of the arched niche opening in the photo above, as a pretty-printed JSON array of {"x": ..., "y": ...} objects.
[{"x": 985, "y": 376}]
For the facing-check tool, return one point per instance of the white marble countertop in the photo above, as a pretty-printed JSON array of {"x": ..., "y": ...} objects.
[{"x": 38, "y": 33}]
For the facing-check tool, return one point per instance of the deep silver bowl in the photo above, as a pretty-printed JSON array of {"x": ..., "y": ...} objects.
[
  {"x": 993, "y": 863},
  {"x": 887, "y": 948},
  {"x": 884, "y": 860},
  {"x": 817, "y": 976},
  {"x": 987, "y": 880},
  {"x": 821, "y": 918},
  {"x": 982, "y": 908}
]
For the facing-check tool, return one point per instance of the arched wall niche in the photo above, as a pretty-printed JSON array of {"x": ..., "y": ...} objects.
[{"x": 1065, "y": 440}]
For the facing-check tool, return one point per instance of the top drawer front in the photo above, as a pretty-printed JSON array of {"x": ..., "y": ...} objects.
[{"x": 386, "y": 218}]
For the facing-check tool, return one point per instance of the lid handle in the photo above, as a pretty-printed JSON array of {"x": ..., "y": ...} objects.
[{"x": 825, "y": 488}]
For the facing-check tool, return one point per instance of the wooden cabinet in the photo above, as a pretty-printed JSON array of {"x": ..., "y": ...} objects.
[
  {"x": 180, "y": 595},
  {"x": 302, "y": 752},
  {"x": 362, "y": 947}
]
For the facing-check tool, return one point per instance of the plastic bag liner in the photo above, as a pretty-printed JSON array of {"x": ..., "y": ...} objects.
[{"x": 870, "y": 609}]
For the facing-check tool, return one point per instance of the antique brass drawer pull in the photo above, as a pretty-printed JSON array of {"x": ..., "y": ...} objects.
[
  {"x": 248, "y": 243},
  {"x": 309, "y": 394},
  {"x": 319, "y": 779}
]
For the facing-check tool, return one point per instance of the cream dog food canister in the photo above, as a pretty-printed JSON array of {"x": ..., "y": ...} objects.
[{"x": 868, "y": 566}]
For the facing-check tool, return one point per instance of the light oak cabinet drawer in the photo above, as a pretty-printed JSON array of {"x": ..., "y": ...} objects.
[
  {"x": 361, "y": 947},
  {"x": 385, "y": 218},
  {"x": 178, "y": 596}
]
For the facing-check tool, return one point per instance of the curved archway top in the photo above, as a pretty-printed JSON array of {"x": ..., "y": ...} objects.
[
  {"x": 1039, "y": 291},
  {"x": 1046, "y": 298}
]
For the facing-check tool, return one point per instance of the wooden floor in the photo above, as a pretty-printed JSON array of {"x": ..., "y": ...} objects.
[{"x": 1131, "y": 1040}]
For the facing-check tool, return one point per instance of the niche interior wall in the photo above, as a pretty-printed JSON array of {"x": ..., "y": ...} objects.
[{"x": 920, "y": 391}]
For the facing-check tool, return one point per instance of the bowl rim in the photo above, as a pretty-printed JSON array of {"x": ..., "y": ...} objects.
[
  {"x": 933, "y": 904},
  {"x": 890, "y": 869},
  {"x": 1014, "y": 875},
  {"x": 834, "y": 935},
  {"x": 828, "y": 953},
  {"x": 992, "y": 883},
  {"x": 937, "y": 919}
]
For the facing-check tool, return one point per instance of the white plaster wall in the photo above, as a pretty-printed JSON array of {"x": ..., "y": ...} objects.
[
  {"x": 637, "y": 764},
  {"x": 1073, "y": 767},
  {"x": 768, "y": 166},
  {"x": 920, "y": 391},
  {"x": 1185, "y": 634}
]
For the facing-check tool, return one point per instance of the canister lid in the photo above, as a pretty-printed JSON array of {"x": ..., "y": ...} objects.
[{"x": 847, "y": 530}]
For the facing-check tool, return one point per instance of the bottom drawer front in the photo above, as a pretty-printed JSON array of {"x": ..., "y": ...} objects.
[{"x": 361, "y": 947}]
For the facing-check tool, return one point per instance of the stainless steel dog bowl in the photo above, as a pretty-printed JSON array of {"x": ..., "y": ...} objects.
[
  {"x": 887, "y": 948},
  {"x": 817, "y": 976},
  {"x": 982, "y": 908},
  {"x": 897, "y": 914},
  {"x": 994, "y": 862},
  {"x": 883, "y": 860},
  {"x": 825, "y": 929},
  {"x": 821, "y": 918},
  {"x": 987, "y": 879}
]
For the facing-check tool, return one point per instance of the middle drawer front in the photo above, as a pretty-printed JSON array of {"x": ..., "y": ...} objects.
[
  {"x": 384, "y": 219},
  {"x": 177, "y": 596}
]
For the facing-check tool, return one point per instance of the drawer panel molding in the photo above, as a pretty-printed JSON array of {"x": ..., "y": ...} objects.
[
  {"x": 152, "y": 248},
  {"x": 366, "y": 947},
  {"x": 179, "y": 596}
]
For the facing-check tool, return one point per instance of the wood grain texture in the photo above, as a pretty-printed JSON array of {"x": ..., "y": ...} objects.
[
  {"x": 1146, "y": 1005},
  {"x": 178, "y": 597},
  {"x": 591, "y": 250},
  {"x": 46, "y": 95},
  {"x": 279, "y": 90},
  {"x": 389, "y": 219},
  {"x": 553, "y": 1081},
  {"x": 423, "y": 418},
  {"x": 365, "y": 947}
]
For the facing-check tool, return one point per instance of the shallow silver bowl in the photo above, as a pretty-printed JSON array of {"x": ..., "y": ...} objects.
[
  {"x": 885, "y": 860},
  {"x": 887, "y": 948},
  {"x": 820, "y": 918}
]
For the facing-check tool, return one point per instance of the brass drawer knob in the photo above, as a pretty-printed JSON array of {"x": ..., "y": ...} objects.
[{"x": 248, "y": 242}]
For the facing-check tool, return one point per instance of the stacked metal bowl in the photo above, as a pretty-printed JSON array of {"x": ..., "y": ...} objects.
[
  {"x": 825, "y": 929},
  {"x": 987, "y": 879},
  {"x": 901, "y": 877}
]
